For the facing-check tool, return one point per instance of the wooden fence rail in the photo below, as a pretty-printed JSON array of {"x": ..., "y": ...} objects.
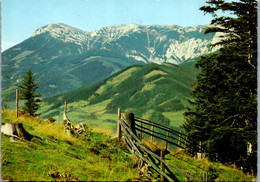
[
  {"x": 182, "y": 140},
  {"x": 151, "y": 130},
  {"x": 135, "y": 146},
  {"x": 139, "y": 154},
  {"x": 165, "y": 128},
  {"x": 163, "y": 139}
]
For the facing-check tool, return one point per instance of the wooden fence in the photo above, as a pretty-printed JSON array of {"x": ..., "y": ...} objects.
[
  {"x": 128, "y": 126},
  {"x": 165, "y": 134}
]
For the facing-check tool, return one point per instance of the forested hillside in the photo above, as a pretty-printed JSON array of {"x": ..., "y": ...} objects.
[{"x": 153, "y": 91}]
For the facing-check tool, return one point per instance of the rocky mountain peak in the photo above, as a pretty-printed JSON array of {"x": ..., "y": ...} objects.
[
  {"x": 55, "y": 28},
  {"x": 63, "y": 32}
]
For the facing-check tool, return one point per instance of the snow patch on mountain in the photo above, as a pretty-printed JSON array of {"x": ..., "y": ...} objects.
[
  {"x": 198, "y": 28},
  {"x": 64, "y": 32},
  {"x": 115, "y": 32},
  {"x": 138, "y": 58},
  {"x": 187, "y": 50}
]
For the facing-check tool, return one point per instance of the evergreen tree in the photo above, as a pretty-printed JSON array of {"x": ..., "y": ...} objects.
[
  {"x": 224, "y": 112},
  {"x": 27, "y": 93}
]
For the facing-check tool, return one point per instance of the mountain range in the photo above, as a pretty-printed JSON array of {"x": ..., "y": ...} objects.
[{"x": 64, "y": 58}]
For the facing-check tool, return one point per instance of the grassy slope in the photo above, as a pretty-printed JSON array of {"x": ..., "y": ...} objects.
[
  {"x": 216, "y": 171},
  {"x": 97, "y": 157},
  {"x": 140, "y": 89}
]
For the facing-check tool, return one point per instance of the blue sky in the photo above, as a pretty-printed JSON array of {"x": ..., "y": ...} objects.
[{"x": 20, "y": 18}]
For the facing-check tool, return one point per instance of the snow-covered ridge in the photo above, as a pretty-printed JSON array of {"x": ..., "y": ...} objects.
[
  {"x": 116, "y": 31},
  {"x": 63, "y": 32},
  {"x": 58, "y": 30},
  {"x": 146, "y": 43}
]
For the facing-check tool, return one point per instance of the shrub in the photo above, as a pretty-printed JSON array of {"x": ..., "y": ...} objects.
[{"x": 52, "y": 120}]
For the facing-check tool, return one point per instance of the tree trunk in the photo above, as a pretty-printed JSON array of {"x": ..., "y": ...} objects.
[{"x": 16, "y": 130}]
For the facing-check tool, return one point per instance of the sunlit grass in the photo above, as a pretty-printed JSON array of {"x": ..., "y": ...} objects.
[
  {"x": 148, "y": 86},
  {"x": 154, "y": 144},
  {"x": 43, "y": 127},
  {"x": 216, "y": 171},
  {"x": 123, "y": 76},
  {"x": 95, "y": 158},
  {"x": 176, "y": 118},
  {"x": 62, "y": 157},
  {"x": 106, "y": 130}
]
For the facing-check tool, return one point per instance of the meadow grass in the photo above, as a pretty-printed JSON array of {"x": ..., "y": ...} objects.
[
  {"x": 96, "y": 157},
  {"x": 177, "y": 118},
  {"x": 196, "y": 167},
  {"x": 153, "y": 73},
  {"x": 58, "y": 156},
  {"x": 43, "y": 127}
]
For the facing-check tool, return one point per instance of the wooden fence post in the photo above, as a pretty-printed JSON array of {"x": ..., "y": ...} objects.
[
  {"x": 185, "y": 145},
  {"x": 129, "y": 118},
  {"x": 166, "y": 143},
  {"x": 179, "y": 140},
  {"x": 65, "y": 107},
  {"x": 162, "y": 164},
  {"x": 118, "y": 125},
  {"x": 200, "y": 147},
  {"x": 65, "y": 118},
  {"x": 17, "y": 91},
  {"x": 141, "y": 132},
  {"x": 199, "y": 154},
  {"x": 187, "y": 179},
  {"x": 152, "y": 132},
  {"x": 205, "y": 176}
]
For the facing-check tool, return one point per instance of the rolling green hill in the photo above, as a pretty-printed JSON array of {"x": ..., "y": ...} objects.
[
  {"x": 152, "y": 91},
  {"x": 58, "y": 74}
]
